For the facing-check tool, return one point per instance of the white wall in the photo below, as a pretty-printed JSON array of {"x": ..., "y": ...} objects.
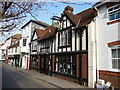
[
  {"x": 91, "y": 54},
  {"x": 27, "y": 33},
  {"x": 105, "y": 34}
]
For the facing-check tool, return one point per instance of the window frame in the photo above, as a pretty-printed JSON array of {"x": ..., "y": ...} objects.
[
  {"x": 45, "y": 47},
  {"x": 113, "y": 12},
  {"x": 114, "y": 47},
  {"x": 24, "y": 42},
  {"x": 3, "y": 51},
  {"x": 66, "y": 64},
  {"x": 67, "y": 39}
]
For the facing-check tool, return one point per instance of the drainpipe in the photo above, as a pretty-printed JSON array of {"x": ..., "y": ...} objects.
[{"x": 97, "y": 71}]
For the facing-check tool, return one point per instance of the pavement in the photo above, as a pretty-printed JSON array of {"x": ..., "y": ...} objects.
[{"x": 57, "y": 82}]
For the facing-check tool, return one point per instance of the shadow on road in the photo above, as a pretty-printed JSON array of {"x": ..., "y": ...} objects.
[{"x": 7, "y": 80}]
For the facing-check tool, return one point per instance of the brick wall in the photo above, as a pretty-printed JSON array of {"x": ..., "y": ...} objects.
[{"x": 113, "y": 77}]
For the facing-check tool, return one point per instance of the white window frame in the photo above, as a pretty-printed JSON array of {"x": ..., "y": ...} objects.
[
  {"x": 113, "y": 12},
  {"x": 114, "y": 47},
  {"x": 24, "y": 42}
]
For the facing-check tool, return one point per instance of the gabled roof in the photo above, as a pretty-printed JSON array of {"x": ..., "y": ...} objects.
[
  {"x": 47, "y": 33},
  {"x": 74, "y": 18},
  {"x": 82, "y": 18},
  {"x": 37, "y": 22},
  {"x": 86, "y": 16}
]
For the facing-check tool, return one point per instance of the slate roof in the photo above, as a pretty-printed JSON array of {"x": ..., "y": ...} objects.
[{"x": 47, "y": 33}]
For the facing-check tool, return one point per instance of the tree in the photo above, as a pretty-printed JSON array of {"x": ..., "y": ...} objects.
[{"x": 13, "y": 13}]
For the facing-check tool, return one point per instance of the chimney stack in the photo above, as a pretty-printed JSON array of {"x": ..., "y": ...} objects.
[{"x": 69, "y": 9}]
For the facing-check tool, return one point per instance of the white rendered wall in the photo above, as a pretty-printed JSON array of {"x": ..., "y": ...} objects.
[
  {"x": 105, "y": 34},
  {"x": 91, "y": 54}
]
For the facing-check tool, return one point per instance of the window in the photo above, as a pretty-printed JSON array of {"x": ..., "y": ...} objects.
[
  {"x": 11, "y": 50},
  {"x": 116, "y": 58},
  {"x": 66, "y": 64},
  {"x": 8, "y": 50},
  {"x": 24, "y": 42},
  {"x": 65, "y": 37},
  {"x": 2, "y": 57},
  {"x": 3, "y": 51},
  {"x": 34, "y": 62},
  {"x": 45, "y": 46},
  {"x": 114, "y": 12},
  {"x": 15, "y": 49},
  {"x": 34, "y": 45}
]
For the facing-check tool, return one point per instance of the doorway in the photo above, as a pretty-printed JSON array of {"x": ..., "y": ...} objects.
[{"x": 44, "y": 64}]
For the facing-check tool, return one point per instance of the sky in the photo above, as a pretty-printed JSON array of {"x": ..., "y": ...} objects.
[{"x": 50, "y": 11}]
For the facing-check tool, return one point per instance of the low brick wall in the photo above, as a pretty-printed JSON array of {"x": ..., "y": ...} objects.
[{"x": 113, "y": 77}]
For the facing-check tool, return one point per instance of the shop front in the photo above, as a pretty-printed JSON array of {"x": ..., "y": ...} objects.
[
  {"x": 72, "y": 67},
  {"x": 17, "y": 60}
]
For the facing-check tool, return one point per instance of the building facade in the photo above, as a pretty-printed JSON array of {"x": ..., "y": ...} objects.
[
  {"x": 2, "y": 51},
  {"x": 42, "y": 47},
  {"x": 108, "y": 42},
  {"x": 27, "y": 31},
  {"x": 8, "y": 42},
  {"x": 72, "y": 52},
  {"x": 14, "y": 53}
]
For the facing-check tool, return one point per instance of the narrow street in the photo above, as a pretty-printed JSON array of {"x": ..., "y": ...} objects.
[{"x": 12, "y": 78}]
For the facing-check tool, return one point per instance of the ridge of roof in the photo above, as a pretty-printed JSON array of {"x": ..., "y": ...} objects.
[{"x": 37, "y": 22}]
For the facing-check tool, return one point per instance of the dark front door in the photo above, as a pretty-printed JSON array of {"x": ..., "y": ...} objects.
[
  {"x": 83, "y": 70},
  {"x": 44, "y": 64}
]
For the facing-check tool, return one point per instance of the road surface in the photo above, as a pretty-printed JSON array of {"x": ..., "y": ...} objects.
[{"x": 12, "y": 78}]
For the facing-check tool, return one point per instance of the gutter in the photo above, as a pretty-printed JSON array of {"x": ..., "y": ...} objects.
[{"x": 102, "y": 3}]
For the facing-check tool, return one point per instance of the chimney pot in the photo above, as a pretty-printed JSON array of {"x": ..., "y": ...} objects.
[{"x": 69, "y": 9}]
